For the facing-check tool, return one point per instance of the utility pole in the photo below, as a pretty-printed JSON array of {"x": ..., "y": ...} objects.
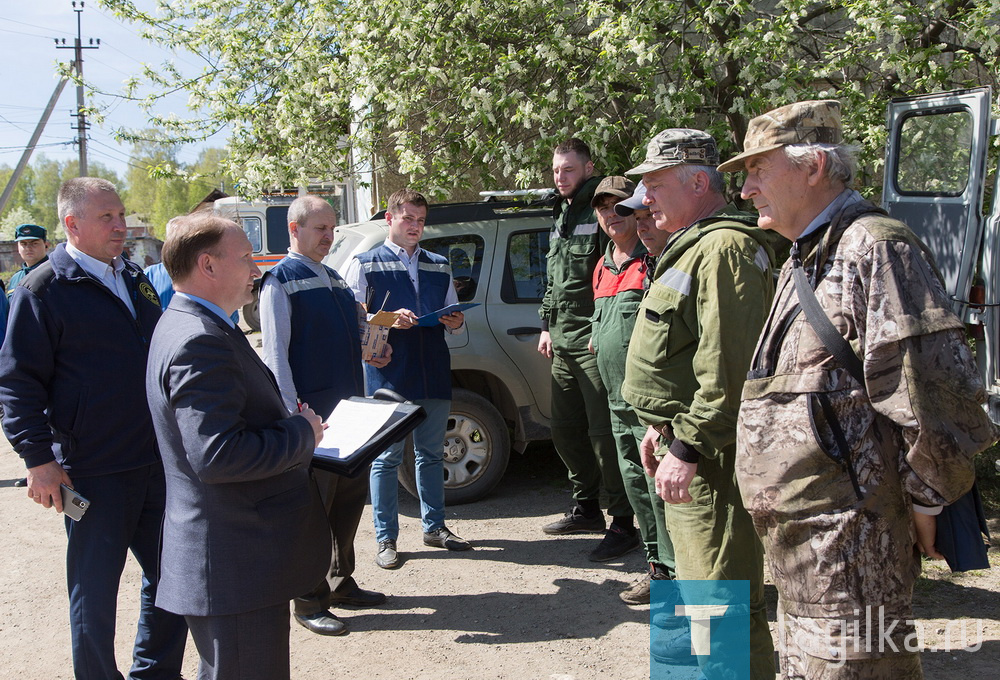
[
  {"x": 81, "y": 117},
  {"x": 26, "y": 155}
]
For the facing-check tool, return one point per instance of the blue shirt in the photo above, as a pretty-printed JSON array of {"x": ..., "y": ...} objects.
[{"x": 210, "y": 306}]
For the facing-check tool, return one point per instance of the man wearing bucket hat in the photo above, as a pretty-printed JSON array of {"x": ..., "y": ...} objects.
[
  {"x": 32, "y": 246},
  {"x": 857, "y": 407},
  {"x": 686, "y": 363},
  {"x": 619, "y": 284}
]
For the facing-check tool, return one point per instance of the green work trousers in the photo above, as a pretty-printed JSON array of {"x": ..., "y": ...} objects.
[
  {"x": 640, "y": 487},
  {"x": 714, "y": 539},
  {"x": 581, "y": 431}
]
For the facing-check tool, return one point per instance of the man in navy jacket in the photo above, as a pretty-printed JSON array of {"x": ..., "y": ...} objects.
[{"x": 72, "y": 389}]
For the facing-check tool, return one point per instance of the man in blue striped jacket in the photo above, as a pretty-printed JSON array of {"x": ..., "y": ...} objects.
[
  {"x": 309, "y": 324},
  {"x": 412, "y": 282}
]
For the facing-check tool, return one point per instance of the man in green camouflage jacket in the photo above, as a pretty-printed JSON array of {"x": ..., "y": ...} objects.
[{"x": 831, "y": 467}]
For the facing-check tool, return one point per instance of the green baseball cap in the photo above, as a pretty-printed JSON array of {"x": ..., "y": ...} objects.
[{"x": 678, "y": 146}]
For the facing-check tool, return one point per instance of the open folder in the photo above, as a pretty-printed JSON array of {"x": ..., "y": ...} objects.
[{"x": 361, "y": 428}]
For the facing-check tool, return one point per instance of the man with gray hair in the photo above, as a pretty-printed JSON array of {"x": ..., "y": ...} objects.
[
  {"x": 73, "y": 392},
  {"x": 862, "y": 409},
  {"x": 309, "y": 324},
  {"x": 686, "y": 363}
]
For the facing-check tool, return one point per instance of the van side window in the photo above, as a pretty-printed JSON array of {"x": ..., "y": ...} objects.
[
  {"x": 934, "y": 153},
  {"x": 524, "y": 277},
  {"x": 465, "y": 255},
  {"x": 251, "y": 225}
]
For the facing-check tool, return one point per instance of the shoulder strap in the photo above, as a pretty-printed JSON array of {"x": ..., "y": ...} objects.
[{"x": 820, "y": 322}]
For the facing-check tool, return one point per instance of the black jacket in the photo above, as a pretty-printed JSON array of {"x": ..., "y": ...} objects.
[{"x": 72, "y": 370}]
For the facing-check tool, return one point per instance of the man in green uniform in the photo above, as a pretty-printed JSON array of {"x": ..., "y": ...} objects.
[
  {"x": 32, "y": 246},
  {"x": 687, "y": 361},
  {"x": 619, "y": 283},
  {"x": 581, "y": 426}
]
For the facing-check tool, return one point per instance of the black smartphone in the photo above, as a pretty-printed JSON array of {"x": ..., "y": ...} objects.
[{"x": 74, "y": 505}]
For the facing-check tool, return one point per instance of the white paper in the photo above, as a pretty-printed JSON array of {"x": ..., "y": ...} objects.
[{"x": 351, "y": 425}]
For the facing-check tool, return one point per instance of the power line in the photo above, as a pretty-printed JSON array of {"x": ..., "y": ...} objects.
[{"x": 22, "y": 23}]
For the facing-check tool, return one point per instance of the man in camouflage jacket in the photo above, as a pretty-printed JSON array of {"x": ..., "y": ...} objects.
[{"x": 837, "y": 524}]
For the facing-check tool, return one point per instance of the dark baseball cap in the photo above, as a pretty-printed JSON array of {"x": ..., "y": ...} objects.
[
  {"x": 630, "y": 205},
  {"x": 29, "y": 232},
  {"x": 678, "y": 146},
  {"x": 615, "y": 185}
]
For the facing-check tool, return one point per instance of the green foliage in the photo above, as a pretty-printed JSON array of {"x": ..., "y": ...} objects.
[
  {"x": 37, "y": 189},
  {"x": 463, "y": 93},
  {"x": 10, "y": 221}
]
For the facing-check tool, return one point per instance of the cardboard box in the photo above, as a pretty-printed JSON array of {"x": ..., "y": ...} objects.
[{"x": 375, "y": 332}]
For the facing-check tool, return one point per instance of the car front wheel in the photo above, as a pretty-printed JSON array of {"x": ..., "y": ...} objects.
[{"x": 476, "y": 450}]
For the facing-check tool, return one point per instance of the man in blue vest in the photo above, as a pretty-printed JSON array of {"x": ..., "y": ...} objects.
[
  {"x": 417, "y": 282},
  {"x": 311, "y": 342}
]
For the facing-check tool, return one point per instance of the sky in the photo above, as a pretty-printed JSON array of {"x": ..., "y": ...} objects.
[{"x": 28, "y": 57}]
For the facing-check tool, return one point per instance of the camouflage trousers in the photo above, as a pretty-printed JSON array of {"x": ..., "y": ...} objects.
[
  {"x": 845, "y": 585},
  {"x": 799, "y": 664}
]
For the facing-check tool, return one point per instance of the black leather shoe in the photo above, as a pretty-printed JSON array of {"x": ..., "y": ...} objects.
[
  {"x": 21, "y": 482},
  {"x": 322, "y": 623},
  {"x": 443, "y": 538},
  {"x": 356, "y": 596}
]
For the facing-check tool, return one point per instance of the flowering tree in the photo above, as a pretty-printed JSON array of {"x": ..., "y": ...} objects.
[{"x": 460, "y": 93}]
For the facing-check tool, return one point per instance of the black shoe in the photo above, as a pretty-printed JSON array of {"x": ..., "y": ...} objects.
[
  {"x": 387, "y": 557},
  {"x": 576, "y": 522},
  {"x": 21, "y": 482},
  {"x": 443, "y": 538},
  {"x": 322, "y": 623},
  {"x": 355, "y": 596},
  {"x": 616, "y": 542}
]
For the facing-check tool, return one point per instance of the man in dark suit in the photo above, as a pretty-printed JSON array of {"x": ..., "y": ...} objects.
[
  {"x": 72, "y": 389},
  {"x": 244, "y": 530}
]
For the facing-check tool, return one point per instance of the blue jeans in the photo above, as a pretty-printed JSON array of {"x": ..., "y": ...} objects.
[
  {"x": 428, "y": 448},
  {"x": 125, "y": 514}
]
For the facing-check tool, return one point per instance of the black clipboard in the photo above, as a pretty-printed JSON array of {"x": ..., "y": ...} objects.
[{"x": 403, "y": 421}]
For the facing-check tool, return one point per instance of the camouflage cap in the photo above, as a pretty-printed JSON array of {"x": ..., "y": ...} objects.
[
  {"x": 614, "y": 185},
  {"x": 630, "y": 205},
  {"x": 678, "y": 146},
  {"x": 813, "y": 122}
]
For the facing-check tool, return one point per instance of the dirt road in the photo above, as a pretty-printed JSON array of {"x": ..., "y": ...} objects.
[{"x": 522, "y": 605}]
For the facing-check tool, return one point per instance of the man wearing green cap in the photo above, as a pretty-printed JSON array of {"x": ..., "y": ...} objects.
[
  {"x": 860, "y": 414},
  {"x": 686, "y": 364},
  {"x": 32, "y": 247},
  {"x": 580, "y": 423}
]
